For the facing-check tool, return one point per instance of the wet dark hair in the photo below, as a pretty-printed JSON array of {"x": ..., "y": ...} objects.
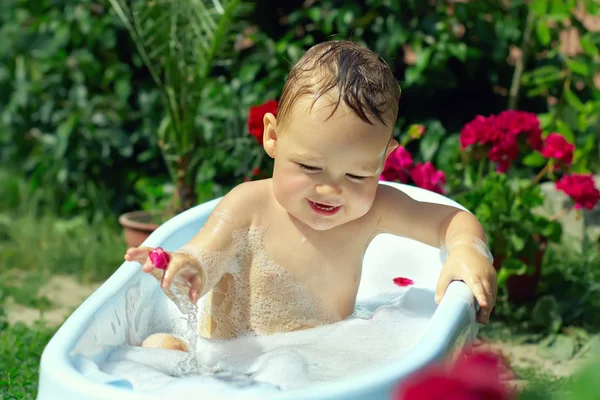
[{"x": 348, "y": 73}]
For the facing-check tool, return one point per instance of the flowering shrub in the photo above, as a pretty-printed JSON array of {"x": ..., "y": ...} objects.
[
  {"x": 490, "y": 148},
  {"x": 504, "y": 201},
  {"x": 500, "y": 136},
  {"x": 400, "y": 167}
]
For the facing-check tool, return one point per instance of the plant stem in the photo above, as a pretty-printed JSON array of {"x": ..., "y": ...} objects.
[
  {"x": 559, "y": 214},
  {"x": 482, "y": 163},
  {"x": 513, "y": 97},
  {"x": 540, "y": 175}
]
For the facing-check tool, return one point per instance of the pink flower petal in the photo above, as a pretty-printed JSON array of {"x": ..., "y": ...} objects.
[
  {"x": 400, "y": 281},
  {"x": 160, "y": 258}
]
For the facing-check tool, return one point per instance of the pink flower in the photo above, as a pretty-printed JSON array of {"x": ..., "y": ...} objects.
[
  {"x": 400, "y": 281},
  {"x": 558, "y": 148},
  {"x": 255, "y": 118},
  {"x": 427, "y": 177},
  {"x": 580, "y": 187},
  {"x": 472, "y": 377},
  {"x": 160, "y": 258},
  {"x": 397, "y": 166}
]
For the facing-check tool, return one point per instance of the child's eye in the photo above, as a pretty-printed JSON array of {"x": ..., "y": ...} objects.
[
  {"x": 356, "y": 177},
  {"x": 309, "y": 168}
]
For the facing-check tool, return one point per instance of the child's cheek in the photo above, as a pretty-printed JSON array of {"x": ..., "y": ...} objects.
[
  {"x": 291, "y": 186},
  {"x": 362, "y": 198}
]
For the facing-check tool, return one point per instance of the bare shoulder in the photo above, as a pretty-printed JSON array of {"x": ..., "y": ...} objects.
[
  {"x": 389, "y": 199},
  {"x": 236, "y": 211},
  {"x": 245, "y": 200}
]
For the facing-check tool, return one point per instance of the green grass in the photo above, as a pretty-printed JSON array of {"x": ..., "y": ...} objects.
[
  {"x": 35, "y": 244},
  {"x": 20, "y": 350}
]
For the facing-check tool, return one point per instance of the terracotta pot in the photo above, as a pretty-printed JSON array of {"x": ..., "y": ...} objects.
[
  {"x": 138, "y": 225},
  {"x": 522, "y": 288}
]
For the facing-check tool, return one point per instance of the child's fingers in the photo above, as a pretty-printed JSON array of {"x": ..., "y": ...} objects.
[
  {"x": 479, "y": 293},
  {"x": 148, "y": 266},
  {"x": 138, "y": 254},
  {"x": 490, "y": 293},
  {"x": 170, "y": 273},
  {"x": 442, "y": 285}
]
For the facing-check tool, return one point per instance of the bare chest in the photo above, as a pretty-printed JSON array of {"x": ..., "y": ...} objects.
[{"x": 328, "y": 265}]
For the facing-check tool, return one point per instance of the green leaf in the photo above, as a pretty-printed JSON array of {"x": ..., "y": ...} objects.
[
  {"x": 573, "y": 100},
  {"x": 578, "y": 67},
  {"x": 458, "y": 50},
  {"x": 448, "y": 153},
  {"x": 431, "y": 140},
  {"x": 539, "y": 7},
  {"x": 545, "y": 314},
  {"x": 543, "y": 32},
  {"x": 534, "y": 159},
  {"x": 516, "y": 241},
  {"x": 553, "y": 231},
  {"x": 588, "y": 46},
  {"x": 565, "y": 130},
  {"x": 557, "y": 347}
]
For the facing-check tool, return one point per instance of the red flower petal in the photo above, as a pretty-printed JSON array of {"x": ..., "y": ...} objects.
[{"x": 400, "y": 281}]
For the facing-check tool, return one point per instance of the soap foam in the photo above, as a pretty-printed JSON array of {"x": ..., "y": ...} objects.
[{"x": 380, "y": 330}]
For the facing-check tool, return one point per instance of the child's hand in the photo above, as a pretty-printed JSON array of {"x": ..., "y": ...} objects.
[
  {"x": 181, "y": 265},
  {"x": 466, "y": 264}
]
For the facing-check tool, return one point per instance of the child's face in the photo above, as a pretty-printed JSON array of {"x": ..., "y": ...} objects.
[{"x": 326, "y": 171}]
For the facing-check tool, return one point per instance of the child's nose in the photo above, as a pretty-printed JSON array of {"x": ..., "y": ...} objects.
[{"x": 328, "y": 189}]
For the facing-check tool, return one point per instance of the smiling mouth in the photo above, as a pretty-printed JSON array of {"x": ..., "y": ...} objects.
[{"x": 323, "y": 209}]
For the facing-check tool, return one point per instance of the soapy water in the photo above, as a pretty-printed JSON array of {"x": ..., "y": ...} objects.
[
  {"x": 234, "y": 347},
  {"x": 379, "y": 331}
]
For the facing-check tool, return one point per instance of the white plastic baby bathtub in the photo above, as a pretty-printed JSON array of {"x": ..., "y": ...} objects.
[{"x": 69, "y": 363}]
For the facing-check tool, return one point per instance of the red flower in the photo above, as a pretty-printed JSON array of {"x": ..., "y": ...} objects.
[
  {"x": 427, "y": 177},
  {"x": 397, "y": 166},
  {"x": 474, "y": 377},
  {"x": 580, "y": 187},
  {"x": 504, "y": 152},
  {"x": 474, "y": 131},
  {"x": 255, "y": 118},
  {"x": 500, "y": 135},
  {"x": 558, "y": 148},
  {"x": 521, "y": 122}
]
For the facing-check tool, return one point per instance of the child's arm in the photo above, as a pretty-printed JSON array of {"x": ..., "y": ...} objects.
[
  {"x": 200, "y": 274},
  {"x": 446, "y": 227}
]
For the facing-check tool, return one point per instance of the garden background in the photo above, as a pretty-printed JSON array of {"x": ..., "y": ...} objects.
[{"x": 88, "y": 132}]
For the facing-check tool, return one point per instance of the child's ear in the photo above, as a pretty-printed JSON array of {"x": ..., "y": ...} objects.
[
  {"x": 391, "y": 147},
  {"x": 270, "y": 134}
]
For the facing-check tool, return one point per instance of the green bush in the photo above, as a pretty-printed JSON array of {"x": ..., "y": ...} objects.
[{"x": 76, "y": 110}]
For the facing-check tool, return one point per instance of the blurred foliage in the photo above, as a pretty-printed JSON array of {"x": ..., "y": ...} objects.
[
  {"x": 76, "y": 114},
  {"x": 79, "y": 112}
]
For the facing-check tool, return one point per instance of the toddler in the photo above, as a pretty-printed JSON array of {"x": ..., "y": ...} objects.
[{"x": 285, "y": 253}]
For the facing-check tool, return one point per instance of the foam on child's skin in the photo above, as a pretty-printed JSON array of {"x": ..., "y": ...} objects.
[
  {"x": 252, "y": 294},
  {"x": 479, "y": 245}
]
